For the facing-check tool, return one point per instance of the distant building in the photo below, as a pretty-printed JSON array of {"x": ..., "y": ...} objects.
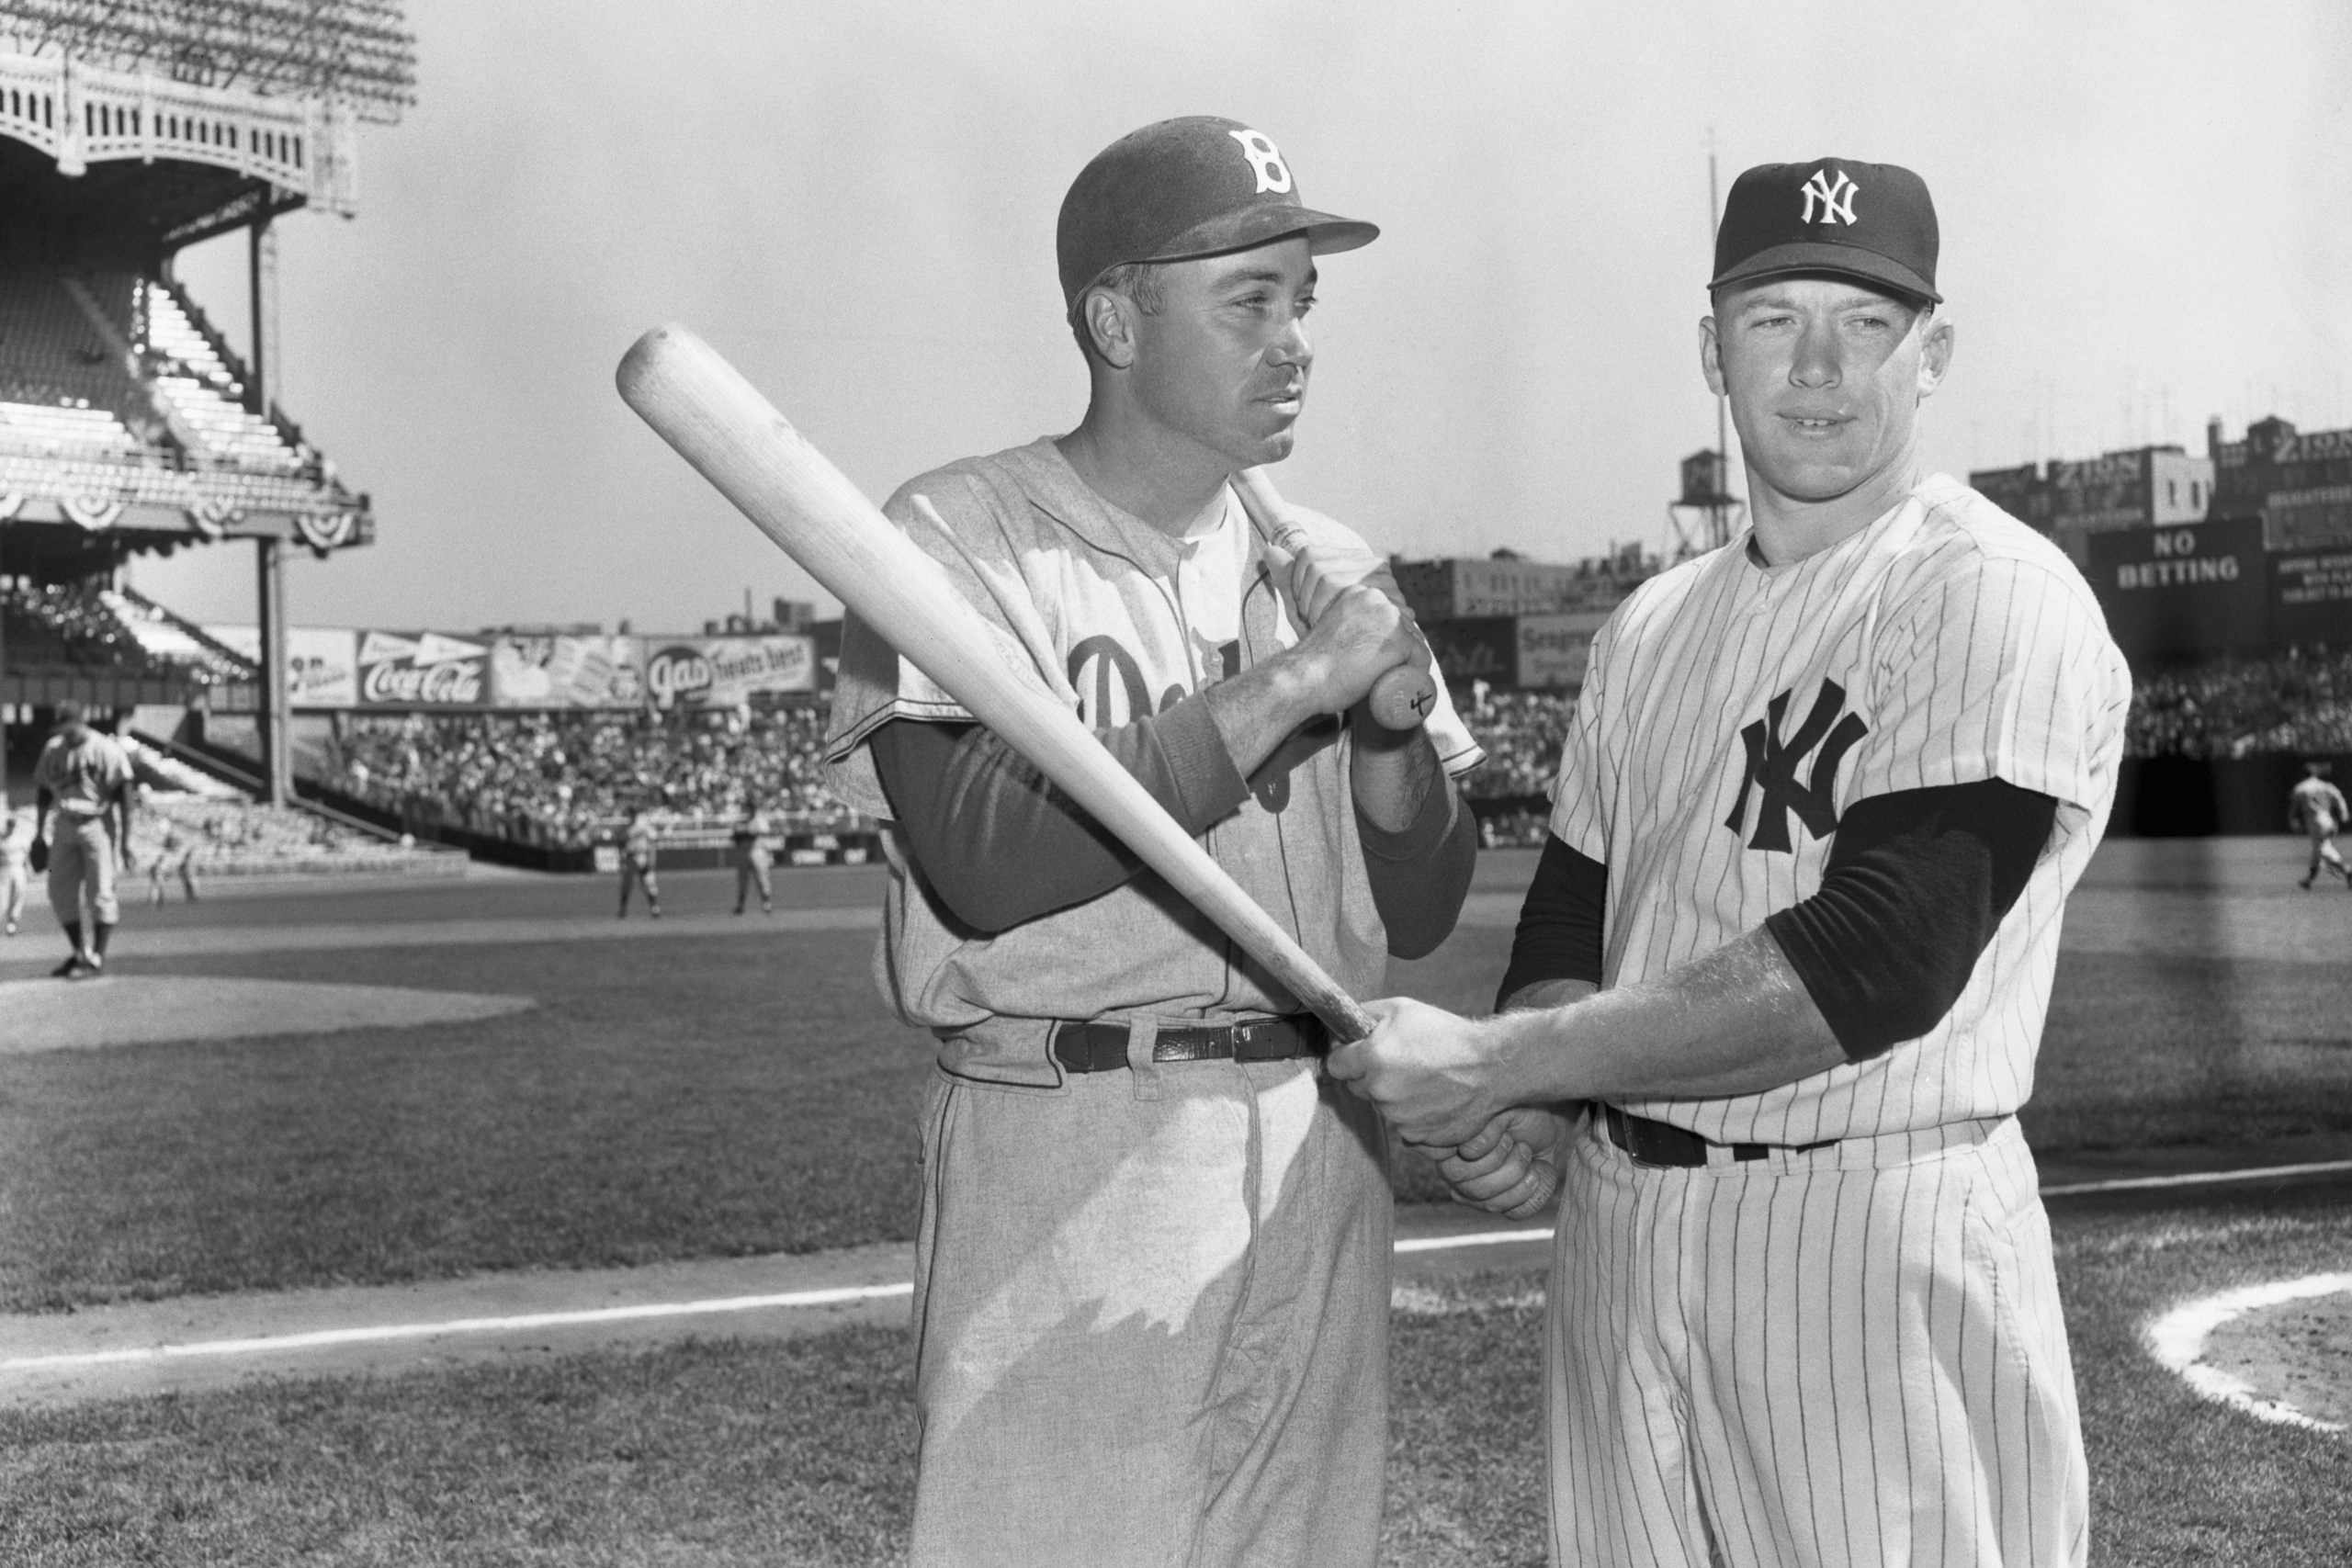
[
  {"x": 2247, "y": 548},
  {"x": 1506, "y": 584},
  {"x": 2140, "y": 487},
  {"x": 2300, "y": 486}
]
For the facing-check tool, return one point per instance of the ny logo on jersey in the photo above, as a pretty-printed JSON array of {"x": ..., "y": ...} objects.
[
  {"x": 1836, "y": 200},
  {"x": 1273, "y": 175},
  {"x": 1772, "y": 767}
]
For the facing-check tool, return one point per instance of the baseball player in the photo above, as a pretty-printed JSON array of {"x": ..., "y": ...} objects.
[
  {"x": 175, "y": 856},
  {"x": 86, "y": 777},
  {"x": 637, "y": 853},
  {"x": 753, "y": 858},
  {"x": 2316, "y": 806},
  {"x": 1778, "y": 984},
  {"x": 1152, "y": 1264},
  {"x": 16, "y": 844}
]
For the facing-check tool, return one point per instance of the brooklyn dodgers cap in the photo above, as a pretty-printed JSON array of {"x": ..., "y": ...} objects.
[
  {"x": 1872, "y": 222},
  {"x": 1194, "y": 186}
]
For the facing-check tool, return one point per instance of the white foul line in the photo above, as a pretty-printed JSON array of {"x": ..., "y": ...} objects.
[
  {"x": 2196, "y": 1178},
  {"x": 2178, "y": 1338},
  {"x": 320, "y": 1339},
  {"x": 1476, "y": 1238},
  {"x": 381, "y": 1333}
]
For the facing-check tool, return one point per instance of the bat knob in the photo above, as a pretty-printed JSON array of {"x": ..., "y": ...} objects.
[{"x": 1402, "y": 699}]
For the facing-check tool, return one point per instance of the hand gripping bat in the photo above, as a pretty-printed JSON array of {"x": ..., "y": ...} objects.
[
  {"x": 735, "y": 439},
  {"x": 1400, "y": 699}
]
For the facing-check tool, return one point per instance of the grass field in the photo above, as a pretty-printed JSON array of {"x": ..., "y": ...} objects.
[
  {"x": 764, "y": 1453},
  {"x": 744, "y": 1093}
]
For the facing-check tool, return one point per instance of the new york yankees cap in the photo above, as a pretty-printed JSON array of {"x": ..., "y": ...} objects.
[
  {"x": 1872, "y": 222},
  {"x": 1182, "y": 188}
]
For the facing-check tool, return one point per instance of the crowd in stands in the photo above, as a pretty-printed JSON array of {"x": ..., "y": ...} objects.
[
  {"x": 2297, "y": 700},
  {"x": 183, "y": 839},
  {"x": 76, "y": 626},
  {"x": 567, "y": 779}
]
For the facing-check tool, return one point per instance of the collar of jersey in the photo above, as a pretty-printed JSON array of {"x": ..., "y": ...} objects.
[{"x": 1126, "y": 536}]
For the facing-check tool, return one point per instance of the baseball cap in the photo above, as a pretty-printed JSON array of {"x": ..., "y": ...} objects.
[
  {"x": 1872, "y": 222},
  {"x": 1194, "y": 187}
]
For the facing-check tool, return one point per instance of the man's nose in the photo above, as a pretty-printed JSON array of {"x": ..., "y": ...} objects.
[
  {"x": 1291, "y": 345},
  {"x": 1817, "y": 363}
]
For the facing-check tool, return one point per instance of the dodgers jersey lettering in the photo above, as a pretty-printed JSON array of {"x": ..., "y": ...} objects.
[
  {"x": 1733, "y": 712},
  {"x": 1117, "y": 620}
]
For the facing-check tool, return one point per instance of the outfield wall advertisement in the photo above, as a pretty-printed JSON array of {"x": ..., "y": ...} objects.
[
  {"x": 727, "y": 672},
  {"x": 564, "y": 672}
]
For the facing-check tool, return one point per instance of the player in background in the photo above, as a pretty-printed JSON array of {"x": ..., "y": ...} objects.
[
  {"x": 16, "y": 847},
  {"x": 85, "y": 776},
  {"x": 753, "y": 856},
  {"x": 2316, "y": 807},
  {"x": 175, "y": 855},
  {"x": 1779, "y": 985},
  {"x": 1152, "y": 1267},
  {"x": 637, "y": 851}
]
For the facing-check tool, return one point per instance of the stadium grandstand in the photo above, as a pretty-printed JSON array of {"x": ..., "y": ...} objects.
[{"x": 130, "y": 129}]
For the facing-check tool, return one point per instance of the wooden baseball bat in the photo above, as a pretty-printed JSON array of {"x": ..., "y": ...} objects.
[
  {"x": 735, "y": 439},
  {"x": 1400, "y": 699}
]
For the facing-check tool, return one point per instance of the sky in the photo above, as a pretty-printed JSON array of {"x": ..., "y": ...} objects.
[{"x": 2141, "y": 208}]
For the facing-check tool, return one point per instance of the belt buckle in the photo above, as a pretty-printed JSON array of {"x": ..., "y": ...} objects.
[{"x": 1247, "y": 1038}]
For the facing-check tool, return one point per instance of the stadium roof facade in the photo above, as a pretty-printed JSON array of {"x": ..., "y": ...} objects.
[{"x": 129, "y": 129}]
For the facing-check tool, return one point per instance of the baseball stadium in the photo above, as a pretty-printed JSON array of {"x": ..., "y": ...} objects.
[{"x": 378, "y": 1197}]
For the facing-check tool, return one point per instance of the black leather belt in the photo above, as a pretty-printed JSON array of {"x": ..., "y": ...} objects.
[
  {"x": 1661, "y": 1143},
  {"x": 1100, "y": 1046}
]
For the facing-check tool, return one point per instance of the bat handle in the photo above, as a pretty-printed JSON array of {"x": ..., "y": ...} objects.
[{"x": 1402, "y": 699}]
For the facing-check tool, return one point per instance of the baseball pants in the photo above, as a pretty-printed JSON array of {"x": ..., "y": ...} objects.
[
  {"x": 82, "y": 864},
  {"x": 2322, "y": 837},
  {"x": 1852, "y": 1357},
  {"x": 1151, "y": 1313}
]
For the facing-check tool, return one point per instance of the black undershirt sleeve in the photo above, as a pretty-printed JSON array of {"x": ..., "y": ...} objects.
[
  {"x": 999, "y": 844},
  {"x": 1917, "y": 883},
  {"x": 1560, "y": 924},
  {"x": 1419, "y": 876}
]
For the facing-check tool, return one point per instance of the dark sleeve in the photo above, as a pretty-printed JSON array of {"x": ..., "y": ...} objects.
[
  {"x": 1560, "y": 923},
  {"x": 1420, "y": 876},
  {"x": 1917, "y": 883},
  {"x": 1000, "y": 844}
]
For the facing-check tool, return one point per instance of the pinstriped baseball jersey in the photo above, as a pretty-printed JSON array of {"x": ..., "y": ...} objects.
[
  {"x": 1732, "y": 714},
  {"x": 1117, "y": 620}
]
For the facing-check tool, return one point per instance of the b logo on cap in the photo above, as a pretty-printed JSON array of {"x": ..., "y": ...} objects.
[
  {"x": 1273, "y": 175},
  {"x": 1833, "y": 210}
]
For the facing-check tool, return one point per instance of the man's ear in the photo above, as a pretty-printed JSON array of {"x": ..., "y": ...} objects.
[
  {"x": 1711, "y": 355},
  {"x": 1109, "y": 324},
  {"x": 1935, "y": 355}
]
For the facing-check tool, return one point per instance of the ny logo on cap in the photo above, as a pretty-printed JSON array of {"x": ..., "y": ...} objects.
[
  {"x": 1273, "y": 175},
  {"x": 1833, "y": 209}
]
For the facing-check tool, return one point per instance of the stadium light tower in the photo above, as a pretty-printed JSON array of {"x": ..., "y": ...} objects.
[{"x": 1703, "y": 516}]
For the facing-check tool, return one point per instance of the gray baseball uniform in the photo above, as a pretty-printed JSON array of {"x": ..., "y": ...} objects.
[{"x": 1170, "y": 1280}]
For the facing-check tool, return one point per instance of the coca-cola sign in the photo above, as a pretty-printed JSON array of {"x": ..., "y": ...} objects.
[{"x": 423, "y": 669}]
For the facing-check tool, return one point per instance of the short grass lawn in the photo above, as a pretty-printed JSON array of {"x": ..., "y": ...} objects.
[
  {"x": 747, "y": 1093},
  {"x": 797, "y": 1453}
]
